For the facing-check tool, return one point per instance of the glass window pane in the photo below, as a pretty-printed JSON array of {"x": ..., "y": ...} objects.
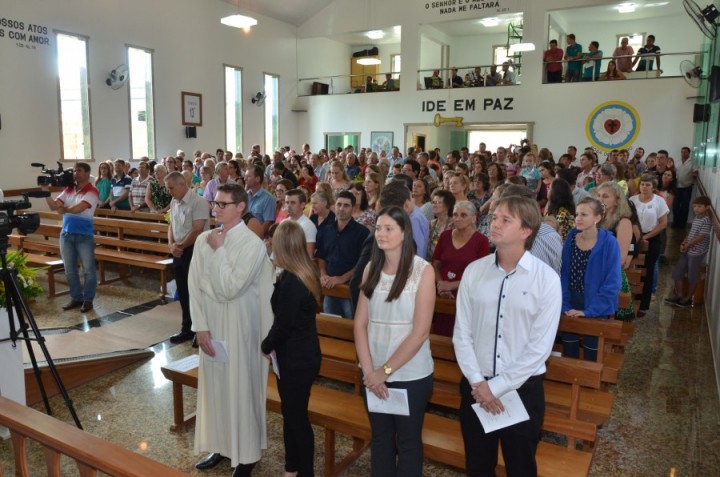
[
  {"x": 233, "y": 109},
  {"x": 74, "y": 97},
  {"x": 142, "y": 116},
  {"x": 271, "y": 114}
]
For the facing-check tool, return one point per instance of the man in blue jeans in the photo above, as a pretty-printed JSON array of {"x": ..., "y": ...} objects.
[{"x": 77, "y": 206}]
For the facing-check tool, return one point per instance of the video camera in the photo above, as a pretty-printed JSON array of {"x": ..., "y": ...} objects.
[
  {"x": 55, "y": 178},
  {"x": 25, "y": 223}
]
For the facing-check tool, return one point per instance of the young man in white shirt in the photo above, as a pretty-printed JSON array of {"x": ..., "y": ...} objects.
[
  {"x": 295, "y": 204},
  {"x": 508, "y": 310}
]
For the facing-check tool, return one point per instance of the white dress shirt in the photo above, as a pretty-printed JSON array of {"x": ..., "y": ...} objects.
[{"x": 506, "y": 321}]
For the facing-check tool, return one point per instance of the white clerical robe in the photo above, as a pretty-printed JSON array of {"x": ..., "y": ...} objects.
[{"x": 230, "y": 291}]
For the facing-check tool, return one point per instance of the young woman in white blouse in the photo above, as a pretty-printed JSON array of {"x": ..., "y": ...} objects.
[{"x": 392, "y": 328}]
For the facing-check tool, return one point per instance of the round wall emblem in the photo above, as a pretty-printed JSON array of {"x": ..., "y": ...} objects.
[{"x": 612, "y": 125}]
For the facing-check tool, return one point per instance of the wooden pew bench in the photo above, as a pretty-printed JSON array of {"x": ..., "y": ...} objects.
[
  {"x": 91, "y": 454},
  {"x": 130, "y": 243},
  {"x": 441, "y": 435}
]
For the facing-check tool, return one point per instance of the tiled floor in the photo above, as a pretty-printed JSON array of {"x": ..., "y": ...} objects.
[{"x": 665, "y": 420}]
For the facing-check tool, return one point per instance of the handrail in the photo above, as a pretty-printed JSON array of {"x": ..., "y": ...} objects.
[
  {"x": 637, "y": 57},
  {"x": 90, "y": 453}
]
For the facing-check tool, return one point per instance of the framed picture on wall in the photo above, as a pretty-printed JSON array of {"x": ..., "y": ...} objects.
[
  {"x": 191, "y": 109},
  {"x": 381, "y": 141}
]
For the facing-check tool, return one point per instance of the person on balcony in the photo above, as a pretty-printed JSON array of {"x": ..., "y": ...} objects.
[
  {"x": 623, "y": 55},
  {"x": 553, "y": 62},
  {"x": 456, "y": 81},
  {"x": 592, "y": 62},
  {"x": 643, "y": 61},
  {"x": 573, "y": 54}
]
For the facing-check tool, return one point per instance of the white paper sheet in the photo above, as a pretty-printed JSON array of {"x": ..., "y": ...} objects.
[
  {"x": 221, "y": 354},
  {"x": 514, "y": 412},
  {"x": 185, "y": 364},
  {"x": 275, "y": 366},
  {"x": 396, "y": 403}
]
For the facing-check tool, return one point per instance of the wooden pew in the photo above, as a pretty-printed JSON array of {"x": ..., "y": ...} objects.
[
  {"x": 90, "y": 453},
  {"x": 607, "y": 331},
  {"x": 441, "y": 435},
  {"x": 130, "y": 243}
]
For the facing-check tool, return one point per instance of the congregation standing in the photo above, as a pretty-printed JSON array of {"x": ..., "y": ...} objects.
[{"x": 401, "y": 231}]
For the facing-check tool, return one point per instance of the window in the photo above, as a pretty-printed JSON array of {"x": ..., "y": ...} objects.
[
  {"x": 271, "y": 113},
  {"x": 142, "y": 114},
  {"x": 341, "y": 140},
  {"x": 500, "y": 54},
  {"x": 395, "y": 66},
  {"x": 636, "y": 40},
  {"x": 75, "y": 130},
  {"x": 233, "y": 109}
]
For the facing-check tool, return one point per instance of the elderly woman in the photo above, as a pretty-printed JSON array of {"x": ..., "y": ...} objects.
[
  {"x": 157, "y": 195},
  {"x": 442, "y": 202},
  {"x": 455, "y": 250}
]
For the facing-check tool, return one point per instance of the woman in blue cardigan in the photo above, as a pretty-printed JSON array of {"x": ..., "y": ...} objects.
[{"x": 590, "y": 276}]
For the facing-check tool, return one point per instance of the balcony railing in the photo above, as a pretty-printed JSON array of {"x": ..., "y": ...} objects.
[
  {"x": 648, "y": 63},
  {"x": 342, "y": 84}
]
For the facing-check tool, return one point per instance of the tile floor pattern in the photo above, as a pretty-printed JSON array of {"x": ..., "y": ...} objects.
[{"x": 665, "y": 419}]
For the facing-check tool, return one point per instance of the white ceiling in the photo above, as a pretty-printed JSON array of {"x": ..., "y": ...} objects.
[
  {"x": 295, "y": 12},
  {"x": 608, "y": 13}
]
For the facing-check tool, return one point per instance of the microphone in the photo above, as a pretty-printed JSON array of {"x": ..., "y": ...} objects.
[{"x": 37, "y": 164}]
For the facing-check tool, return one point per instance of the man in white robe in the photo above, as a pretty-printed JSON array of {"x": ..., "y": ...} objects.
[{"x": 231, "y": 281}]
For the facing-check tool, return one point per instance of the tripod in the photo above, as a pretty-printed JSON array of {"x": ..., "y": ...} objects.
[{"x": 16, "y": 303}]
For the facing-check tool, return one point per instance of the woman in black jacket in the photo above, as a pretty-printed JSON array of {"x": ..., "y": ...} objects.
[{"x": 294, "y": 341}]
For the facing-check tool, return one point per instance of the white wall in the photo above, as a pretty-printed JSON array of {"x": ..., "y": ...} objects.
[
  {"x": 558, "y": 111},
  {"x": 334, "y": 59},
  {"x": 190, "y": 47},
  {"x": 474, "y": 50}
]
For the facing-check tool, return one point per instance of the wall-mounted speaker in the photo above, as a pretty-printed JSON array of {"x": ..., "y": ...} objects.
[
  {"x": 190, "y": 132},
  {"x": 701, "y": 113},
  {"x": 715, "y": 84}
]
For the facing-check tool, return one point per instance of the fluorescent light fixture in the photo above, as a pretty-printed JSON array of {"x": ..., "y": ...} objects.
[
  {"x": 375, "y": 34},
  {"x": 368, "y": 61},
  {"x": 490, "y": 22},
  {"x": 626, "y": 8},
  {"x": 238, "y": 21},
  {"x": 520, "y": 47}
]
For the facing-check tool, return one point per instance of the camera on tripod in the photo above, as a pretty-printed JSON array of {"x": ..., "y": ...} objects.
[
  {"x": 25, "y": 223},
  {"x": 55, "y": 178}
]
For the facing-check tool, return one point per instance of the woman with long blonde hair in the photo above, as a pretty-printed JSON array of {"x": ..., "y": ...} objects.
[{"x": 294, "y": 340}]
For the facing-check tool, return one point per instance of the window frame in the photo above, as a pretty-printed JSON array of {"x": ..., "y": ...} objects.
[
  {"x": 242, "y": 107},
  {"x": 265, "y": 109},
  {"x": 86, "y": 39},
  {"x": 129, "y": 96}
]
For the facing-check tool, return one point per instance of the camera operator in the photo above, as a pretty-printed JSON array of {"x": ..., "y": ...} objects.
[{"x": 77, "y": 206}]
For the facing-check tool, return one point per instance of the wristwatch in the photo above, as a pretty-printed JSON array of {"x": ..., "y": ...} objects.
[{"x": 388, "y": 370}]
